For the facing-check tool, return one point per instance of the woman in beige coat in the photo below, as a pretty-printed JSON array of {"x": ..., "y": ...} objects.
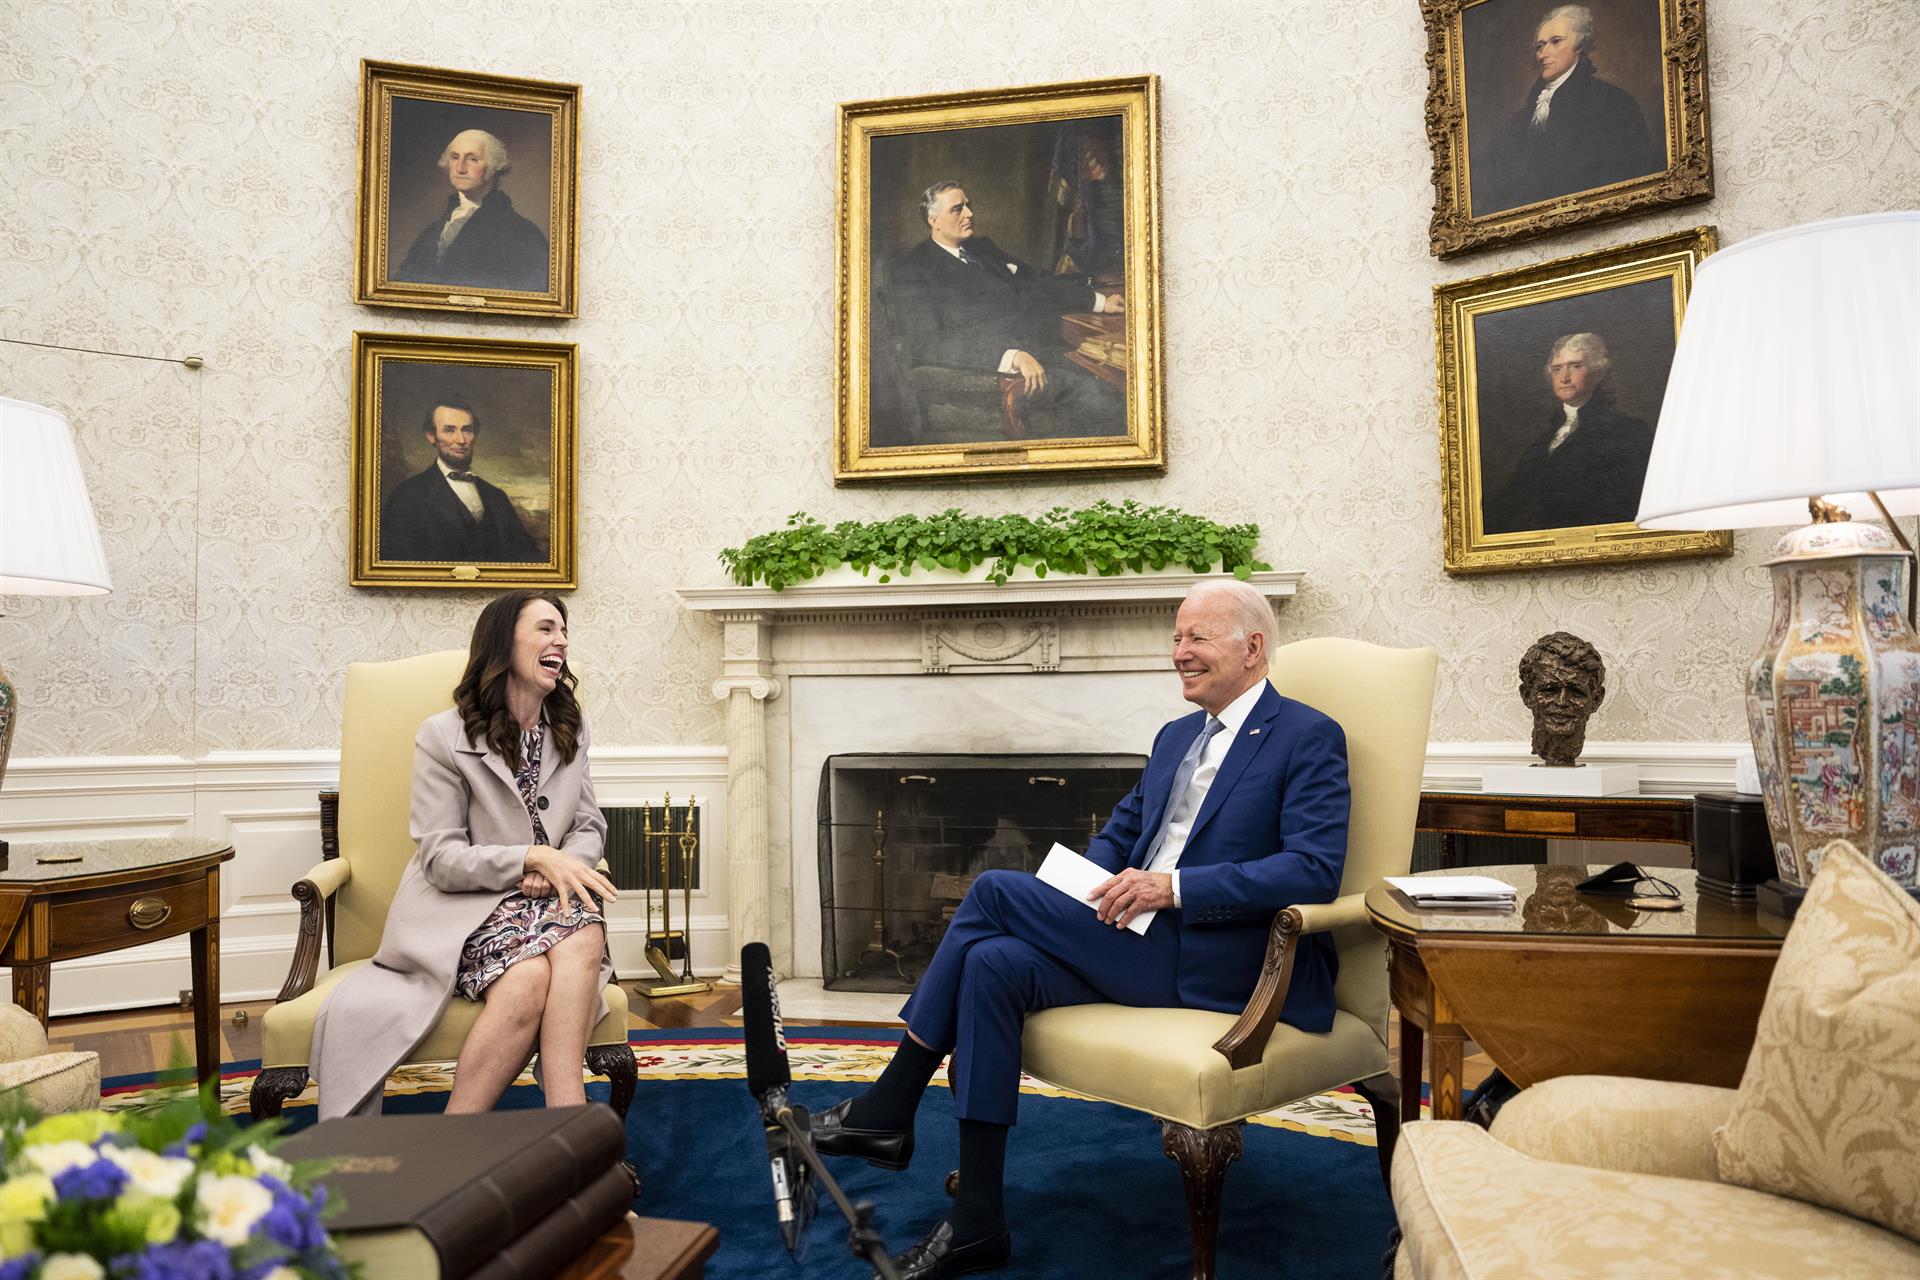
[{"x": 501, "y": 902}]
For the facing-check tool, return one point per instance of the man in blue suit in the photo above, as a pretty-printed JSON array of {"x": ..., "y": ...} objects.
[{"x": 1242, "y": 810}]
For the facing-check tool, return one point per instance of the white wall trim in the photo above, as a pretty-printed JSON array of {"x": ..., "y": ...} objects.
[{"x": 266, "y": 803}]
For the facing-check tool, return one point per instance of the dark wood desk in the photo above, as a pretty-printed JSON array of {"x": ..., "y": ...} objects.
[
  {"x": 638, "y": 1248},
  {"x": 1664, "y": 818},
  {"x": 1568, "y": 984},
  {"x": 106, "y": 895}
]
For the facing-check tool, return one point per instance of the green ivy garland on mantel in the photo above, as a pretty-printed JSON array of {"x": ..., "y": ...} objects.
[{"x": 1106, "y": 538}]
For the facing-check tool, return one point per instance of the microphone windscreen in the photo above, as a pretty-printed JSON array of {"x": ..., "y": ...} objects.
[{"x": 760, "y": 1019}]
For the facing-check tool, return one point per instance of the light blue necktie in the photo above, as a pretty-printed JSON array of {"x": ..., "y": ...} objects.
[{"x": 1182, "y": 779}]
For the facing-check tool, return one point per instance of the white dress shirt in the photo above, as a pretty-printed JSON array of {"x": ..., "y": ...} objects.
[
  {"x": 466, "y": 490},
  {"x": 1567, "y": 428},
  {"x": 1182, "y": 810},
  {"x": 1541, "y": 103},
  {"x": 457, "y": 220}
]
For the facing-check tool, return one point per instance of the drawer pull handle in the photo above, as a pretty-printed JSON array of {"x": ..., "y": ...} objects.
[{"x": 149, "y": 913}]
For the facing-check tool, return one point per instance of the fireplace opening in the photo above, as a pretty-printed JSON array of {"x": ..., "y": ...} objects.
[{"x": 903, "y": 836}]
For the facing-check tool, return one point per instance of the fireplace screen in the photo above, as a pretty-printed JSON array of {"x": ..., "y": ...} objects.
[{"x": 901, "y": 838}]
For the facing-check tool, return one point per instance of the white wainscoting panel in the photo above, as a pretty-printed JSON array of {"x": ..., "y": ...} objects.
[{"x": 267, "y": 805}]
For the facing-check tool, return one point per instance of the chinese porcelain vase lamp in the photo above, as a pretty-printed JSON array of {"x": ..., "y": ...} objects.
[
  {"x": 49, "y": 544},
  {"x": 1792, "y": 395}
]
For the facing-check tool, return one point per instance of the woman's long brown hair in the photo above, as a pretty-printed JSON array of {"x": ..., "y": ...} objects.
[{"x": 481, "y": 695}]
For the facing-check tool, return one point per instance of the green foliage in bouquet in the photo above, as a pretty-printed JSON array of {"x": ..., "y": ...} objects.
[
  {"x": 177, "y": 1190},
  {"x": 1106, "y": 538}
]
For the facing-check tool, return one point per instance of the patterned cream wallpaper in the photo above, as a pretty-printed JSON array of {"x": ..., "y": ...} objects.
[{"x": 180, "y": 178}]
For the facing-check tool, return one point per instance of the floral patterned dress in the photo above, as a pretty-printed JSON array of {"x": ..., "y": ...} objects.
[{"x": 521, "y": 927}]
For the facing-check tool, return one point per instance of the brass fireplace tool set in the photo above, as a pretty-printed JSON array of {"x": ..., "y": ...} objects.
[{"x": 667, "y": 945}]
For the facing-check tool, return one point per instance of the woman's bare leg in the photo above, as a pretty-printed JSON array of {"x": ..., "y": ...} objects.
[
  {"x": 572, "y": 997},
  {"x": 502, "y": 1037}
]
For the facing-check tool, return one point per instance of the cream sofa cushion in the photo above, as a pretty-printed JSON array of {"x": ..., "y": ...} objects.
[
  {"x": 1618, "y": 1122},
  {"x": 1474, "y": 1208},
  {"x": 1829, "y": 1108},
  {"x": 55, "y": 1081},
  {"x": 1162, "y": 1061}
]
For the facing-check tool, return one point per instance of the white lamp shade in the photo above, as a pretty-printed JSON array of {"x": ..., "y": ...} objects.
[
  {"x": 49, "y": 543},
  {"x": 1797, "y": 374}
]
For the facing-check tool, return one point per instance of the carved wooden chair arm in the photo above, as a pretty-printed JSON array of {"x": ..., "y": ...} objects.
[
  {"x": 1246, "y": 1042},
  {"x": 312, "y": 892}
]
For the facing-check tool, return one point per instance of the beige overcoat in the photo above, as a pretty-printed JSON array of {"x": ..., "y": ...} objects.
[{"x": 471, "y": 833}]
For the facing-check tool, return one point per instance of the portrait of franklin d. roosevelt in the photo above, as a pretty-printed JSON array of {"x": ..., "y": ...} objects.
[{"x": 999, "y": 301}]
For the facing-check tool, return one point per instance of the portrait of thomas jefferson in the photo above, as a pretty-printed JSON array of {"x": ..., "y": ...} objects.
[
  {"x": 1586, "y": 461},
  {"x": 478, "y": 241},
  {"x": 1573, "y": 129}
]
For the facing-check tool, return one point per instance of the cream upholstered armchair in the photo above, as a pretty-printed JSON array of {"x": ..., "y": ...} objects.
[
  {"x": 1202, "y": 1073},
  {"x": 348, "y": 893}
]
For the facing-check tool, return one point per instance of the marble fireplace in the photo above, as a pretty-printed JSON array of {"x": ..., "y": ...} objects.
[{"x": 843, "y": 666}]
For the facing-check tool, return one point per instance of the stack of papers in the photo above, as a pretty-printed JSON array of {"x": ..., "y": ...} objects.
[{"x": 1454, "y": 891}]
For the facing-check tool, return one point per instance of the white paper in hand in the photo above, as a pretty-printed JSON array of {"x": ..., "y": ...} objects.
[{"x": 1077, "y": 876}]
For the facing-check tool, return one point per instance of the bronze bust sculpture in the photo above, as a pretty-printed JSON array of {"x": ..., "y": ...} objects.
[{"x": 1562, "y": 681}]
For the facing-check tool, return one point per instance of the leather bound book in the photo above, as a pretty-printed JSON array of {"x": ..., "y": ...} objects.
[
  {"x": 565, "y": 1233},
  {"x": 435, "y": 1197}
]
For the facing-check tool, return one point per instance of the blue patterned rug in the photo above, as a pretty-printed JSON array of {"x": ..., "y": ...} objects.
[{"x": 1089, "y": 1191}]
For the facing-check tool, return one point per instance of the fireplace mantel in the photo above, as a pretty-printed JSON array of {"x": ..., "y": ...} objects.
[
  {"x": 1039, "y": 641},
  {"x": 841, "y": 593}
]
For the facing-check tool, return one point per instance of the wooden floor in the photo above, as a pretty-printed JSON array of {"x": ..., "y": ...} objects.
[{"x": 136, "y": 1041}]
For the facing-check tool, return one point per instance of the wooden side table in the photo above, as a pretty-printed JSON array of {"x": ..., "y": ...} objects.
[
  {"x": 84, "y": 897},
  {"x": 1662, "y": 819},
  {"x": 1569, "y": 984},
  {"x": 637, "y": 1248}
]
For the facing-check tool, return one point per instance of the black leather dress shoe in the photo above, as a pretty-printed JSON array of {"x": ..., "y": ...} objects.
[
  {"x": 881, "y": 1148},
  {"x": 936, "y": 1255}
]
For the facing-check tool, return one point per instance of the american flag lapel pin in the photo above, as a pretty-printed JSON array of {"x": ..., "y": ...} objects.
[{"x": 1251, "y": 732}]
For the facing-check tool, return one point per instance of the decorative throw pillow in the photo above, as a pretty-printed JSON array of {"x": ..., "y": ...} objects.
[{"x": 1828, "y": 1110}]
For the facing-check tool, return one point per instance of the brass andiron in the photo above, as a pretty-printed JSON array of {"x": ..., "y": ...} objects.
[
  {"x": 877, "y": 943},
  {"x": 667, "y": 944}
]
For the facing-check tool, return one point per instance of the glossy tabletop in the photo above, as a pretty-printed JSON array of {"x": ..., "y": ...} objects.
[
  {"x": 1546, "y": 904},
  {"x": 35, "y": 861}
]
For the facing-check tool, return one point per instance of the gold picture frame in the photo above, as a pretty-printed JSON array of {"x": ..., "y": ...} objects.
[
  {"x": 496, "y": 230},
  {"x": 1528, "y": 485},
  {"x": 465, "y": 465},
  {"x": 1623, "y": 128},
  {"x": 933, "y": 376}
]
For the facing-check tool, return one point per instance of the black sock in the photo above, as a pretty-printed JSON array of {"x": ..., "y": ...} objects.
[
  {"x": 979, "y": 1204},
  {"x": 889, "y": 1103}
]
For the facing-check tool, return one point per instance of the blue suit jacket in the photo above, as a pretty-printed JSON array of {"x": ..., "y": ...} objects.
[{"x": 1272, "y": 832}]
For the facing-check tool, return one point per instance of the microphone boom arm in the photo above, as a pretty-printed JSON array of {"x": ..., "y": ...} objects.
[{"x": 864, "y": 1241}]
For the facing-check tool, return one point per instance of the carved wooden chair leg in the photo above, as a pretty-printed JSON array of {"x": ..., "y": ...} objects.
[
  {"x": 271, "y": 1089},
  {"x": 1382, "y": 1094},
  {"x": 617, "y": 1063},
  {"x": 1203, "y": 1156}
]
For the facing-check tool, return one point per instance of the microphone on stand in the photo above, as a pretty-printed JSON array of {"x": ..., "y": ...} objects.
[
  {"x": 768, "y": 1076},
  {"x": 790, "y": 1154}
]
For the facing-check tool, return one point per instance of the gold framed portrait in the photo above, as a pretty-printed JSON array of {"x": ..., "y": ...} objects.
[
  {"x": 1551, "y": 379},
  {"x": 464, "y": 462},
  {"x": 1545, "y": 116},
  {"x": 468, "y": 192},
  {"x": 998, "y": 258}
]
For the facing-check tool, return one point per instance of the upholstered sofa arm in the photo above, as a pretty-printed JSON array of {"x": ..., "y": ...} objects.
[
  {"x": 1319, "y": 917},
  {"x": 1613, "y": 1122},
  {"x": 311, "y": 891}
]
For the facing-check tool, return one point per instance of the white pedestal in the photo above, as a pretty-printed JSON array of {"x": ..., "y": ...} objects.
[{"x": 1547, "y": 780}]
